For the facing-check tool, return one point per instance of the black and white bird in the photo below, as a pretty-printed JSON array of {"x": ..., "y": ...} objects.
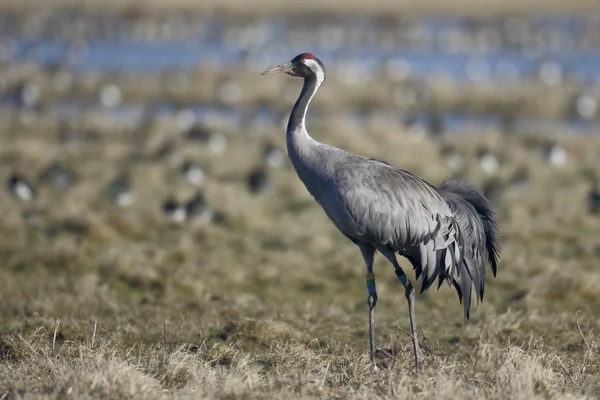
[
  {"x": 274, "y": 156},
  {"x": 447, "y": 232},
  {"x": 198, "y": 210},
  {"x": 216, "y": 142},
  {"x": 193, "y": 173},
  {"x": 174, "y": 210},
  {"x": 120, "y": 191},
  {"x": 554, "y": 154},
  {"x": 20, "y": 187}
]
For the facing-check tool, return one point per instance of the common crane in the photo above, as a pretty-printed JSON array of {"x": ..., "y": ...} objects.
[{"x": 445, "y": 232}]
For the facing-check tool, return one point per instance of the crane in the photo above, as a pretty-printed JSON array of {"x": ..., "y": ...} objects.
[{"x": 446, "y": 233}]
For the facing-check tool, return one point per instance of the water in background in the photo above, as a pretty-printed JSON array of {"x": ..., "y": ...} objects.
[{"x": 465, "y": 50}]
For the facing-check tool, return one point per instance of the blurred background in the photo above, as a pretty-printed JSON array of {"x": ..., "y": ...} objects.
[
  {"x": 145, "y": 175},
  {"x": 124, "y": 123},
  {"x": 176, "y": 85}
]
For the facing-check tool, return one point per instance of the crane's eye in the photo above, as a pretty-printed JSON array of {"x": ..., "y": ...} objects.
[{"x": 303, "y": 61}]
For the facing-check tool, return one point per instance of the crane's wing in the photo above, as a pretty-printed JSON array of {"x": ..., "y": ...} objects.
[{"x": 391, "y": 207}]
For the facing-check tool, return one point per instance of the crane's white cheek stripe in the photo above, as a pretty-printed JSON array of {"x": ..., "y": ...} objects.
[{"x": 316, "y": 68}]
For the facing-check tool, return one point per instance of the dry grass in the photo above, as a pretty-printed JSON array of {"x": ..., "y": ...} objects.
[
  {"x": 285, "y": 369},
  {"x": 271, "y": 302}
]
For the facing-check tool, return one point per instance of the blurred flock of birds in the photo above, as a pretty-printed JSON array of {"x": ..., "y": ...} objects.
[{"x": 44, "y": 57}]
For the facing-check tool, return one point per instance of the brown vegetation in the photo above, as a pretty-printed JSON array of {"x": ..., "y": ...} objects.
[{"x": 104, "y": 302}]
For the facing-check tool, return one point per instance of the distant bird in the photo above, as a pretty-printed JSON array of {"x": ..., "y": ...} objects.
[
  {"x": 550, "y": 73},
  {"x": 554, "y": 154},
  {"x": 216, "y": 142},
  {"x": 110, "y": 95},
  {"x": 192, "y": 173},
  {"x": 174, "y": 210},
  {"x": 28, "y": 95},
  {"x": 488, "y": 161},
  {"x": 444, "y": 232},
  {"x": 198, "y": 210},
  {"x": 20, "y": 187},
  {"x": 120, "y": 191},
  {"x": 594, "y": 198},
  {"x": 258, "y": 181},
  {"x": 274, "y": 157},
  {"x": 198, "y": 133},
  {"x": 58, "y": 174},
  {"x": 584, "y": 106}
]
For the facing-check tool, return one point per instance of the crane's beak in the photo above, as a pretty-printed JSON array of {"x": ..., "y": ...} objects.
[{"x": 286, "y": 68}]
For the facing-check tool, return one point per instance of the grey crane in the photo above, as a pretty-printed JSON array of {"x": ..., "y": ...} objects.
[{"x": 445, "y": 232}]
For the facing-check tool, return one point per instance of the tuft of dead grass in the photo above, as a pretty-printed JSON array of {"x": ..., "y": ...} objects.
[{"x": 494, "y": 369}]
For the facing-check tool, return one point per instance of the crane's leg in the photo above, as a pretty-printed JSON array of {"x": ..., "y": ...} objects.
[
  {"x": 368, "y": 253},
  {"x": 409, "y": 292}
]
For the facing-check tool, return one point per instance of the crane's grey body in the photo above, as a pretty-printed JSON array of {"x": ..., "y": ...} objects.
[{"x": 444, "y": 232}]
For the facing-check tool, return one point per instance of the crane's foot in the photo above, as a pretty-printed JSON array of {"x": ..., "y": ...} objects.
[{"x": 373, "y": 367}]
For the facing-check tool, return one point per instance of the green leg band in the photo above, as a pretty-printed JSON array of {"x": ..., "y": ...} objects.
[{"x": 371, "y": 283}]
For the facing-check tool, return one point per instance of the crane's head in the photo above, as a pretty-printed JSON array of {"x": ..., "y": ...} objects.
[{"x": 304, "y": 65}]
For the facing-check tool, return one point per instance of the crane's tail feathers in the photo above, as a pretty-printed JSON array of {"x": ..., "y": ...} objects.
[
  {"x": 486, "y": 214},
  {"x": 477, "y": 221},
  {"x": 463, "y": 288}
]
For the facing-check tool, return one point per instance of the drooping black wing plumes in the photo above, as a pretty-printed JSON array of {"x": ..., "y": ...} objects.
[{"x": 476, "y": 220}]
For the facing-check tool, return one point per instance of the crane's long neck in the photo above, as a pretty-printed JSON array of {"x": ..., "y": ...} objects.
[{"x": 299, "y": 142}]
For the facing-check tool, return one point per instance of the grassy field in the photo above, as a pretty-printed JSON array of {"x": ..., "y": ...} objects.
[{"x": 270, "y": 302}]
